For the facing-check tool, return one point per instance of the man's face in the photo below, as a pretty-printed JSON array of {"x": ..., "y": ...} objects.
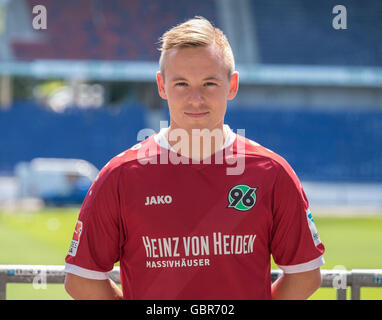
[{"x": 197, "y": 87}]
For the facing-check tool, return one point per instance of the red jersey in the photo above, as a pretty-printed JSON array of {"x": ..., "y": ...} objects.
[{"x": 195, "y": 230}]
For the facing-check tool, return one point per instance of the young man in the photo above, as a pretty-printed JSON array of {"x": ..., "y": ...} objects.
[{"x": 195, "y": 211}]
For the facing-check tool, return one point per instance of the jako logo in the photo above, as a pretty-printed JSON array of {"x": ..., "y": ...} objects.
[{"x": 158, "y": 200}]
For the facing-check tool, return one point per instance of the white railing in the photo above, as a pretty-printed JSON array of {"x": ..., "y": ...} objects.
[
  {"x": 338, "y": 279},
  {"x": 255, "y": 74}
]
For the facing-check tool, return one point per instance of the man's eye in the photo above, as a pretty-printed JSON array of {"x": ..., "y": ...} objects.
[
  {"x": 181, "y": 84},
  {"x": 209, "y": 84}
]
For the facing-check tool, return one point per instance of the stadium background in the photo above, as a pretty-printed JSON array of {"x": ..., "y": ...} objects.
[{"x": 84, "y": 86}]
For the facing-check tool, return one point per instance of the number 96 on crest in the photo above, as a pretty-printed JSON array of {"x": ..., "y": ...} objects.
[{"x": 242, "y": 197}]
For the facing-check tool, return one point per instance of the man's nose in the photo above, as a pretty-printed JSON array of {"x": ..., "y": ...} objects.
[{"x": 195, "y": 97}]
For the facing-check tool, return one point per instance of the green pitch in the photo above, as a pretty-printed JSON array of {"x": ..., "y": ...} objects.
[{"x": 44, "y": 238}]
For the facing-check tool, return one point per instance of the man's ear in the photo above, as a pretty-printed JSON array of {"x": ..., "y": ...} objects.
[
  {"x": 233, "y": 85},
  {"x": 160, "y": 83}
]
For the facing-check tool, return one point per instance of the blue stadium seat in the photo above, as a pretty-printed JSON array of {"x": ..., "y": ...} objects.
[
  {"x": 301, "y": 32},
  {"x": 329, "y": 146},
  {"x": 108, "y": 30},
  {"x": 27, "y": 131},
  {"x": 320, "y": 145}
]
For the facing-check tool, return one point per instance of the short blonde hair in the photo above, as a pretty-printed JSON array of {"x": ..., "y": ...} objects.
[{"x": 195, "y": 32}]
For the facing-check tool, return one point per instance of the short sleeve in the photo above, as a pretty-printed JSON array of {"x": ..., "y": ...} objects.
[
  {"x": 295, "y": 243},
  {"x": 95, "y": 246}
]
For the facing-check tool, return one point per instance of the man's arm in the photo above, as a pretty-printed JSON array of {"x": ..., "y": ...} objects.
[
  {"x": 296, "y": 286},
  {"x": 80, "y": 288}
]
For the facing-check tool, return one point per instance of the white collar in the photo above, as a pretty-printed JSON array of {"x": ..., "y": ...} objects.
[{"x": 162, "y": 141}]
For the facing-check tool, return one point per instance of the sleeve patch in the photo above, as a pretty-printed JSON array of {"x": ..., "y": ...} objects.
[
  {"x": 76, "y": 239},
  {"x": 312, "y": 227}
]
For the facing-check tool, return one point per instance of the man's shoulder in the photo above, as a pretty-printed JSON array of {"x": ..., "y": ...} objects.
[
  {"x": 137, "y": 153},
  {"x": 254, "y": 150}
]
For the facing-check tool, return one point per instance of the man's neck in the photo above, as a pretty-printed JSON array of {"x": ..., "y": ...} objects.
[{"x": 196, "y": 144}]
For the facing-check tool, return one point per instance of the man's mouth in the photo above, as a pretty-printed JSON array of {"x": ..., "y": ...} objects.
[{"x": 196, "y": 115}]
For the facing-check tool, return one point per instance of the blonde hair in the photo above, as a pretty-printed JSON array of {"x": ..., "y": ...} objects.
[{"x": 195, "y": 32}]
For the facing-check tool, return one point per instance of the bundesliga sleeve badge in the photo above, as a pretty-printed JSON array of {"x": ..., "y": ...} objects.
[
  {"x": 312, "y": 227},
  {"x": 76, "y": 239}
]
